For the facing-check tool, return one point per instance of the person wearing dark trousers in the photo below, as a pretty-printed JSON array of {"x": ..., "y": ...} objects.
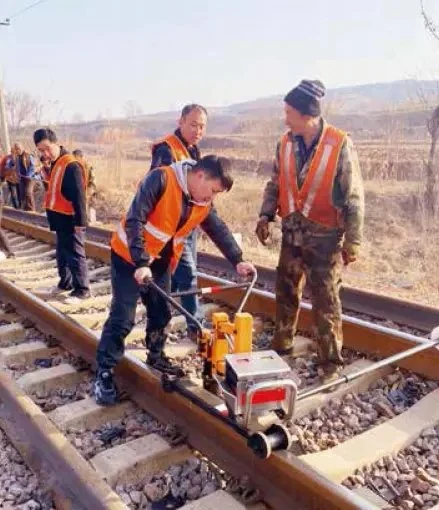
[
  {"x": 178, "y": 146},
  {"x": 169, "y": 204},
  {"x": 4, "y": 243},
  {"x": 66, "y": 214},
  {"x": 9, "y": 173},
  {"x": 15, "y": 194},
  {"x": 26, "y": 169}
]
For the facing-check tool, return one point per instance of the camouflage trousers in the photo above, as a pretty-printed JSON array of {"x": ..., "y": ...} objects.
[{"x": 318, "y": 263}]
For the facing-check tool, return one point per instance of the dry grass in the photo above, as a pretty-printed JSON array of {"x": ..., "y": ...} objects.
[{"x": 400, "y": 255}]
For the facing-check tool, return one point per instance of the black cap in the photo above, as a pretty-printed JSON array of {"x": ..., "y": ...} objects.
[{"x": 305, "y": 98}]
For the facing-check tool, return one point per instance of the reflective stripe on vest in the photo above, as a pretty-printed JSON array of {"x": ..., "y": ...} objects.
[
  {"x": 162, "y": 224},
  {"x": 314, "y": 198},
  {"x": 157, "y": 233}
]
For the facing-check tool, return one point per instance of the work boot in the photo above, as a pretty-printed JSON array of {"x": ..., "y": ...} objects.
[
  {"x": 155, "y": 341},
  {"x": 105, "y": 392},
  {"x": 164, "y": 364},
  {"x": 76, "y": 296},
  {"x": 329, "y": 372}
]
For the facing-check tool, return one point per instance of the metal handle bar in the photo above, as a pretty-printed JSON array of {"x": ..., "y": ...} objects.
[
  {"x": 210, "y": 290},
  {"x": 282, "y": 383}
]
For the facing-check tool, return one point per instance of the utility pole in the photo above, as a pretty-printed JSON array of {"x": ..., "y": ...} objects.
[{"x": 4, "y": 133}]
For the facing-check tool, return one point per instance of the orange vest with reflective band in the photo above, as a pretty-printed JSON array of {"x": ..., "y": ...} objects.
[
  {"x": 55, "y": 200},
  {"x": 314, "y": 199},
  {"x": 178, "y": 149},
  {"x": 162, "y": 224}
]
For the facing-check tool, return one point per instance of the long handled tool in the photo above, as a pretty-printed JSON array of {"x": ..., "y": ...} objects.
[
  {"x": 203, "y": 291},
  {"x": 376, "y": 366}
]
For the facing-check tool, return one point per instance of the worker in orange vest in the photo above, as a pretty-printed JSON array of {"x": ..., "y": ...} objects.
[
  {"x": 169, "y": 204},
  {"x": 317, "y": 190},
  {"x": 65, "y": 205},
  {"x": 180, "y": 145}
]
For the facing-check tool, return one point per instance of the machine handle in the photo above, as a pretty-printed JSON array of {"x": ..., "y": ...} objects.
[
  {"x": 291, "y": 385},
  {"x": 175, "y": 304},
  {"x": 247, "y": 292},
  {"x": 210, "y": 290}
]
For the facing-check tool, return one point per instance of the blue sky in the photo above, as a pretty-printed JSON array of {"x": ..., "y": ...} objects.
[{"x": 91, "y": 56}]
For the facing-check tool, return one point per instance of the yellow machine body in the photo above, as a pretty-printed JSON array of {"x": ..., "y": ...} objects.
[{"x": 226, "y": 338}]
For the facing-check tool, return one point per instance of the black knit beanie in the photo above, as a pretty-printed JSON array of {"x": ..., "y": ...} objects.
[{"x": 305, "y": 98}]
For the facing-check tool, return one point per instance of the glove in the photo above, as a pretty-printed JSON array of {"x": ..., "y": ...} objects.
[
  {"x": 349, "y": 254},
  {"x": 142, "y": 275},
  {"x": 262, "y": 230}
]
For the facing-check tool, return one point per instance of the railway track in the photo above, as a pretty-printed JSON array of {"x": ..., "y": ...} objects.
[
  {"x": 338, "y": 435},
  {"x": 408, "y": 316}
]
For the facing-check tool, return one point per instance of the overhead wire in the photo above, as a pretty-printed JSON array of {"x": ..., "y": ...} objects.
[{"x": 24, "y": 9}]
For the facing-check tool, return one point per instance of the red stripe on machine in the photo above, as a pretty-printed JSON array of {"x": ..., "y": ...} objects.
[{"x": 265, "y": 396}]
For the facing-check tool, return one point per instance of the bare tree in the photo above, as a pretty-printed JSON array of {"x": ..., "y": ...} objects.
[
  {"x": 430, "y": 194},
  {"x": 22, "y": 108},
  {"x": 431, "y": 27},
  {"x": 132, "y": 108},
  {"x": 431, "y": 184},
  {"x": 115, "y": 138}
]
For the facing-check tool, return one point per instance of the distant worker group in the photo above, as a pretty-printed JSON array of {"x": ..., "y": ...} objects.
[{"x": 316, "y": 189}]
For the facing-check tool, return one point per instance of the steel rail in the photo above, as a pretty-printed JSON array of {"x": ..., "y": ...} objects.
[
  {"x": 401, "y": 312},
  {"x": 282, "y": 479}
]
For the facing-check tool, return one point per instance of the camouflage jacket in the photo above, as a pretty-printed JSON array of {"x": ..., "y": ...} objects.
[
  {"x": 347, "y": 196},
  {"x": 91, "y": 185}
]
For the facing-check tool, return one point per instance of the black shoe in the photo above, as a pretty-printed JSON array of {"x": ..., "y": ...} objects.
[
  {"x": 105, "y": 392},
  {"x": 65, "y": 285},
  {"x": 10, "y": 255},
  {"x": 80, "y": 294},
  {"x": 285, "y": 352},
  {"x": 165, "y": 365}
]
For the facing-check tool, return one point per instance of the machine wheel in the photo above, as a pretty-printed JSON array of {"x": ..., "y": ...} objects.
[
  {"x": 260, "y": 445},
  {"x": 282, "y": 435},
  {"x": 276, "y": 437}
]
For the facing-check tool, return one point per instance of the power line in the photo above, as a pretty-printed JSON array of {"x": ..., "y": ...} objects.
[{"x": 22, "y": 11}]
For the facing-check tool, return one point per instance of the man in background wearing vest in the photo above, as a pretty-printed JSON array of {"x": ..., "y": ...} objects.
[
  {"x": 317, "y": 190},
  {"x": 182, "y": 145},
  {"x": 92, "y": 191},
  {"x": 169, "y": 204},
  {"x": 66, "y": 214}
]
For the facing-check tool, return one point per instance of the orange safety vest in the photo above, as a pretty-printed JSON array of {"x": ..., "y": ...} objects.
[
  {"x": 55, "y": 200},
  {"x": 178, "y": 149},
  {"x": 162, "y": 224},
  {"x": 314, "y": 199}
]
